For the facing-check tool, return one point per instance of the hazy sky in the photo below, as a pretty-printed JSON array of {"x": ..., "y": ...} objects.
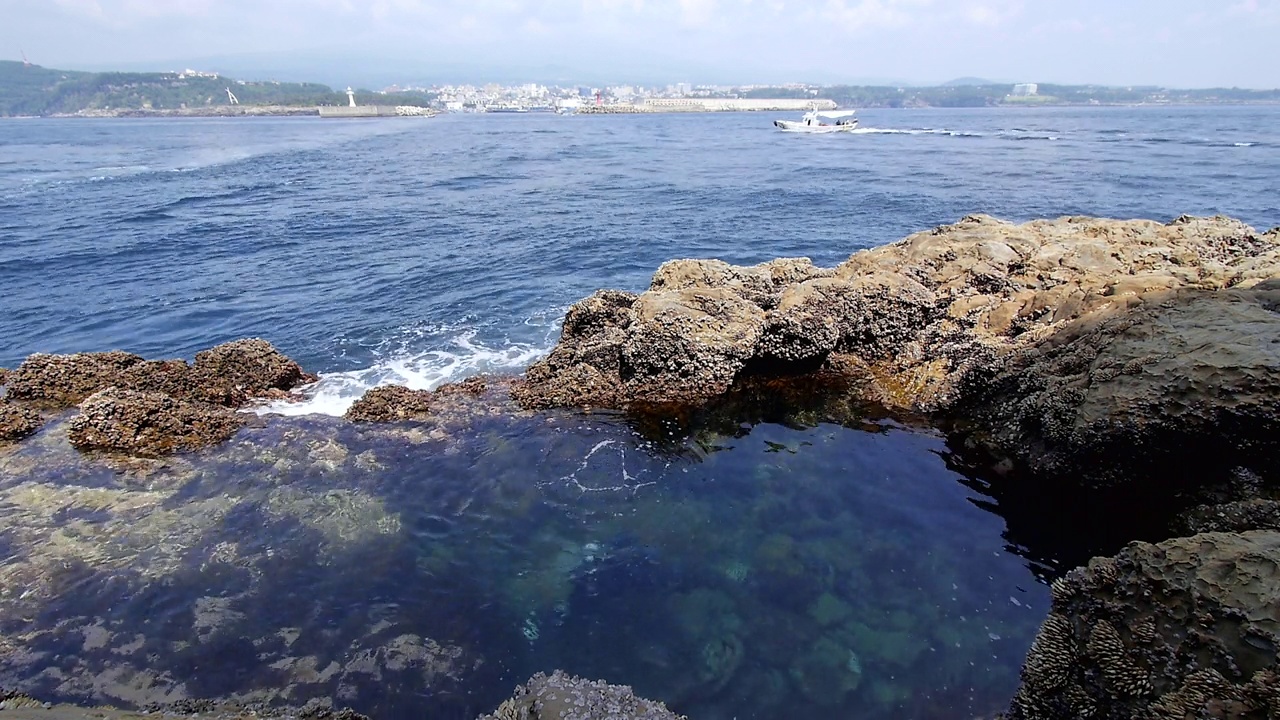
[{"x": 1183, "y": 43}]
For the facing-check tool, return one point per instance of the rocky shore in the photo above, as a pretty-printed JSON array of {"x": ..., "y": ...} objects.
[{"x": 1128, "y": 369}]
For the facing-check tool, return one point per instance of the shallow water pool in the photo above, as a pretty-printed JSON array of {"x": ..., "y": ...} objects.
[{"x": 773, "y": 572}]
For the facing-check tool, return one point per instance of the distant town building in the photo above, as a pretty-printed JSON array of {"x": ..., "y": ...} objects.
[{"x": 1025, "y": 89}]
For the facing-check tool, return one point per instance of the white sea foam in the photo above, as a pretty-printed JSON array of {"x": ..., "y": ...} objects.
[
  {"x": 334, "y": 393},
  {"x": 1244, "y": 144}
]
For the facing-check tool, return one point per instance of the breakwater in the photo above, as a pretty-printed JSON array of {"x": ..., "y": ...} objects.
[{"x": 702, "y": 105}]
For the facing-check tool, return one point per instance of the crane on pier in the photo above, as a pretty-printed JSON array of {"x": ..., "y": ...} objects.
[{"x": 231, "y": 97}]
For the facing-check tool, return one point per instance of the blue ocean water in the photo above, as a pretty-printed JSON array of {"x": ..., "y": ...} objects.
[
  {"x": 430, "y": 249},
  {"x": 766, "y": 570}
]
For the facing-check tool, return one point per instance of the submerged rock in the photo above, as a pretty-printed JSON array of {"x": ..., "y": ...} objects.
[
  {"x": 17, "y": 422},
  {"x": 565, "y": 697},
  {"x": 149, "y": 424},
  {"x": 1185, "y": 628}
]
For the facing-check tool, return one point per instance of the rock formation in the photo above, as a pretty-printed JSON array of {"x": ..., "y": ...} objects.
[
  {"x": 394, "y": 403},
  {"x": 391, "y": 403},
  {"x": 148, "y": 407},
  {"x": 1187, "y": 628},
  {"x": 565, "y": 697},
  {"x": 148, "y": 424},
  {"x": 17, "y": 422},
  {"x": 1150, "y": 386},
  {"x": 60, "y": 381},
  {"x": 1051, "y": 343},
  {"x": 1237, "y": 516},
  {"x": 230, "y": 374}
]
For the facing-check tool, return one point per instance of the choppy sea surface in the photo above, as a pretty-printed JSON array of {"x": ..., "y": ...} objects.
[{"x": 778, "y": 569}]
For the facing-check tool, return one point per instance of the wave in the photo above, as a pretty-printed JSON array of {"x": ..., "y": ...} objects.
[{"x": 335, "y": 392}]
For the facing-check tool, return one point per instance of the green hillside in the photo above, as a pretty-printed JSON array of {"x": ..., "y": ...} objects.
[{"x": 34, "y": 90}]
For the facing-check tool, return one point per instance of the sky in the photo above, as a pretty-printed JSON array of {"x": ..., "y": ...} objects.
[{"x": 1172, "y": 43}]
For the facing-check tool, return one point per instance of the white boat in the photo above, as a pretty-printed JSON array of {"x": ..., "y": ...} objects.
[{"x": 820, "y": 121}]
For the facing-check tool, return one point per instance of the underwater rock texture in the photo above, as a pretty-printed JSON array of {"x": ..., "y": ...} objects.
[
  {"x": 17, "y": 422},
  {"x": 1071, "y": 337},
  {"x": 1185, "y": 628},
  {"x": 565, "y": 697},
  {"x": 149, "y": 424}
]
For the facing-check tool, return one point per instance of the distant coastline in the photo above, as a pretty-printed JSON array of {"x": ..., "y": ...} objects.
[{"x": 34, "y": 91}]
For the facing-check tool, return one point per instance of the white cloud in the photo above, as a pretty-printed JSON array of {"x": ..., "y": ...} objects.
[
  {"x": 990, "y": 14},
  {"x": 857, "y": 15},
  {"x": 695, "y": 13}
]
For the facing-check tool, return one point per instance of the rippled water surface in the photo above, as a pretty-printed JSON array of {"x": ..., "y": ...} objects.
[
  {"x": 777, "y": 573},
  {"x": 778, "y": 570},
  {"x": 425, "y": 249}
]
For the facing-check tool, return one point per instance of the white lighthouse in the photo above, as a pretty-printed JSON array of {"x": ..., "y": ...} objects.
[{"x": 351, "y": 97}]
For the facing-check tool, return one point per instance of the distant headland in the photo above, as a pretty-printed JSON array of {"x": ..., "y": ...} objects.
[{"x": 33, "y": 91}]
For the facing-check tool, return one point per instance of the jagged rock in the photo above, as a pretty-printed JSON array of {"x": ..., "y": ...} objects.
[
  {"x": 229, "y": 374},
  {"x": 149, "y": 424},
  {"x": 60, "y": 381},
  {"x": 565, "y": 697},
  {"x": 1082, "y": 350},
  {"x": 584, "y": 367},
  {"x": 1185, "y": 628},
  {"x": 391, "y": 403},
  {"x": 4, "y": 375},
  {"x": 17, "y": 422},
  {"x": 688, "y": 344},
  {"x": 913, "y": 321},
  {"x": 233, "y": 373}
]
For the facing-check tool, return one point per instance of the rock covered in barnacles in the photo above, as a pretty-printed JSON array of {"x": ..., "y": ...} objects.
[
  {"x": 230, "y": 374},
  {"x": 391, "y": 403},
  {"x": 17, "y": 422},
  {"x": 1184, "y": 628},
  {"x": 233, "y": 373},
  {"x": 560, "y": 696},
  {"x": 149, "y": 424},
  {"x": 1238, "y": 516},
  {"x": 61, "y": 381}
]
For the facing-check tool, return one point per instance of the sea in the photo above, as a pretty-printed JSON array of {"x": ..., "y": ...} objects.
[{"x": 778, "y": 568}]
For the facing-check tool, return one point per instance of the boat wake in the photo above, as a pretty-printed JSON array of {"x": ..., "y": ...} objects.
[{"x": 1010, "y": 134}]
